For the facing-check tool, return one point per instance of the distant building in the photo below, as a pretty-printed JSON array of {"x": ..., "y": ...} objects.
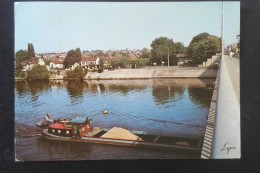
[
  {"x": 56, "y": 64},
  {"x": 182, "y": 58},
  {"x": 29, "y": 64},
  {"x": 232, "y": 48},
  {"x": 87, "y": 62}
]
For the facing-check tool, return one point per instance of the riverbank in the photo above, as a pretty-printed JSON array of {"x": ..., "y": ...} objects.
[
  {"x": 153, "y": 72},
  {"x": 147, "y": 73}
]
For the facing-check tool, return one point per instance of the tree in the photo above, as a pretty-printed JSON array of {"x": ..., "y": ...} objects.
[
  {"x": 30, "y": 50},
  {"x": 72, "y": 57},
  {"x": 78, "y": 74},
  {"x": 38, "y": 72},
  {"x": 199, "y": 37},
  {"x": 238, "y": 44},
  {"x": 145, "y": 53},
  {"x": 203, "y": 46},
  {"x": 120, "y": 60},
  {"x": 179, "y": 47},
  {"x": 20, "y": 56},
  {"x": 160, "y": 48},
  {"x": 78, "y": 54}
]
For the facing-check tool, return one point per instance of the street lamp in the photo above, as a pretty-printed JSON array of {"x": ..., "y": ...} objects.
[
  {"x": 168, "y": 58},
  {"x": 222, "y": 31}
]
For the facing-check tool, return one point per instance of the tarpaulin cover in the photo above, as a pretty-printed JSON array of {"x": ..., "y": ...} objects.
[{"x": 59, "y": 126}]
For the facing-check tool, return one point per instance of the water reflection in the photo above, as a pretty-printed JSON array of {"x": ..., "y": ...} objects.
[
  {"x": 200, "y": 96},
  {"x": 124, "y": 89},
  {"x": 163, "y": 90},
  {"x": 62, "y": 150},
  {"x": 33, "y": 87},
  {"x": 166, "y": 94},
  {"x": 75, "y": 90}
]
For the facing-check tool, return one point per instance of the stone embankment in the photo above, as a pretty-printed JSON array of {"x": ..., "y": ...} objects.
[
  {"x": 146, "y": 73},
  {"x": 153, "y": 72}
]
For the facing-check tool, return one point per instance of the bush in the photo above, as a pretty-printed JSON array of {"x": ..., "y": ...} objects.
[
  {"x": 78, "y": 74},
  {"x": 38, "y": 72},
  {"x": 22, "y": 74}
]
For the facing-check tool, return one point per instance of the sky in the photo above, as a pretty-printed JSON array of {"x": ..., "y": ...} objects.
[{"x": 62, "y": 26}]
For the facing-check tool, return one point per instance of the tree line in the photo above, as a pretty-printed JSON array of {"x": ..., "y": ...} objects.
[
  {"x": 22, "y": 55},
  {"x": 201, "y": 47}
]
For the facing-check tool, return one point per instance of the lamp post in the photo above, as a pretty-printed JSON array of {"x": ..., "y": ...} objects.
[
  {"x": 168, "y": 59},
  {"x": 222, "y": 31}
]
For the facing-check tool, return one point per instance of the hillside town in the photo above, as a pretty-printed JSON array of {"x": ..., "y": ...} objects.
[{"x": 89, "y": 60}]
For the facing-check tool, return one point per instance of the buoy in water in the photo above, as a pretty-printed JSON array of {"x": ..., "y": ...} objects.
[{"x": 105, "y": 112}]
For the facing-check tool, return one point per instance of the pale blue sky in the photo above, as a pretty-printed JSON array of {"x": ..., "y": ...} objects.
[{"x": 62, "y": 26}]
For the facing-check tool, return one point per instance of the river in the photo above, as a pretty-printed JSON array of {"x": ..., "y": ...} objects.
[{"x": 170, "y": 107}]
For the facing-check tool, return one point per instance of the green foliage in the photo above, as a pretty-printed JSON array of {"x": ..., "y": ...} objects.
[
  {"x": 146, "y": 53},
  {"x": 203, "y": 47},
  {"x": 199, "y": 37},
  {"x": 160, "y": 48},
  {"x": 123, "y": 62},
  {"x": 238, "y": 44},
  {"x": 72, "y": 57},
  {"x": 91, "y": 65},
  {"x": 69, "y": 75},
  {"x": 120, "y": 60},
  {"x": 19, "y": 73},
  {"x": 101, "y": 63},
  {"x": 38, "y": 72},
  {"x": 78, "y": 74},
  {"x": 179, "y": 47},
  {"x": 141, "y": 62},
  {"x": 20, "y": 56},
  {"x": 30, "y": 50},
  {"x": 114, "y": 63},
  {"x": 22, "y": 74}
]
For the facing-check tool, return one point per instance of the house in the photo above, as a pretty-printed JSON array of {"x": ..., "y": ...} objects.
[
  {"x": 87, "y": 62},
  {"x": 182, "y": 58},
  {"x": 28, "y": 64},
  {"x": 56, "y": 64},
  {"x": 232, "y": 48}
]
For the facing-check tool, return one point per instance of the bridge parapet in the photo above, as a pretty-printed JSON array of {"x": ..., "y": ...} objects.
[{"x": 222, "y": 135}]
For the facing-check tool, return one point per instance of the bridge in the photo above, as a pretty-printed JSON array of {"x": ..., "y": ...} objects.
[{"x": 222, "y": 134}]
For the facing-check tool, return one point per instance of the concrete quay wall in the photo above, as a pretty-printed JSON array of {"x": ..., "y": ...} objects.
[
  {"x": 149, "y": 73},
  {"x": 206, "y": 152}
]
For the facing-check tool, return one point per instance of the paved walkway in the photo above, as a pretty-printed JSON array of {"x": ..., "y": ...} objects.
[{"x": 234, "y": 73}]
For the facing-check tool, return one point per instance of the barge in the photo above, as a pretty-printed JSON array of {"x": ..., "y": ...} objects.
[{"x": 80, "y": 130}]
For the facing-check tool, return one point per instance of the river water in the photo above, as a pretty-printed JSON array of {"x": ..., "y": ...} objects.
[{"x": 170, "y": 107}]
